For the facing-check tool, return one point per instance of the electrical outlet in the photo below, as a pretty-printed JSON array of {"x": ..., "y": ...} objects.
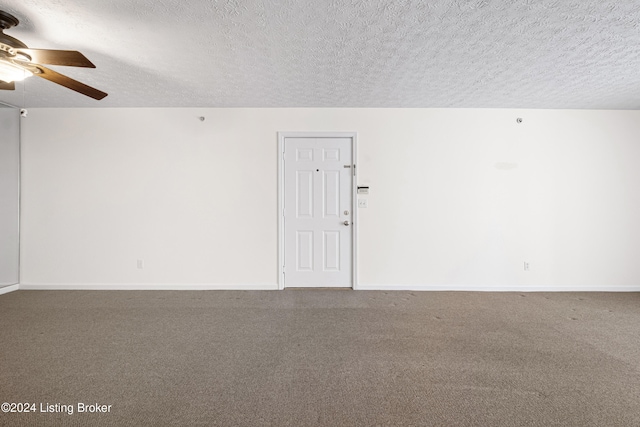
[
  {"x": 526, "y": 266},
  {"x": 362, "y": 203},
  {"x": 140, "y": 264}
]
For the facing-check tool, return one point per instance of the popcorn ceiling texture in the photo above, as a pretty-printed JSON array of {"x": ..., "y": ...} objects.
[{"x": 339, "y": 53}]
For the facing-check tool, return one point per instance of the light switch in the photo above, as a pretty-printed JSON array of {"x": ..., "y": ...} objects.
[{"x": 362, "y": 203}]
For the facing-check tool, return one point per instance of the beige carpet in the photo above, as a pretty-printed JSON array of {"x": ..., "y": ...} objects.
[{"x": 321, "y": 358}]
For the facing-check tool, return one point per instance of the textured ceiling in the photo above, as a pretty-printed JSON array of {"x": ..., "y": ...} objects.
[{"x": 338, "y": 53}]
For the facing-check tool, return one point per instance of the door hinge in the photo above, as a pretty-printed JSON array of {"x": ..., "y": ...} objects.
[
  {"x": 354, "y": 169},
  {"x": 283, "y": 211}
]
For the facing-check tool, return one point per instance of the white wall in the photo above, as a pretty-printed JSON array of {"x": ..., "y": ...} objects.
[
  {"x": 459, "y": 198},
  {"x": 9, "y": 195}
]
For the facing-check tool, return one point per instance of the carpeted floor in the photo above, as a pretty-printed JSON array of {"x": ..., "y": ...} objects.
[{"x": 321, "y": 358}]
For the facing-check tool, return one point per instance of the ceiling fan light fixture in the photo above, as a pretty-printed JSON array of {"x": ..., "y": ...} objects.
[{"x": 10, "y": 72}]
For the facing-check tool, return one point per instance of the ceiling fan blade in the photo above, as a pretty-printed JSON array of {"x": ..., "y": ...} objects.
[
  {"x": 70, "y": 58},
  {"x": 68, "y": 82},
  {"x": 7, "y": 86}
]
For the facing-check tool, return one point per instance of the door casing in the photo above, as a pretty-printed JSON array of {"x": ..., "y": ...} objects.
[{"x": 354, "y": 202}]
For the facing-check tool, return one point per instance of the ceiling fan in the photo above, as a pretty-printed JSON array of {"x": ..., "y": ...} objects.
[{"x": 17, "y": 62}]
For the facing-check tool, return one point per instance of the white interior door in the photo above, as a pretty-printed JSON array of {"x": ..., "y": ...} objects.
[{"x": 318, "y": 182}]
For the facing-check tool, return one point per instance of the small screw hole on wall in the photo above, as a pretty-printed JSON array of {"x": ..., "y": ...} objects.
[
  {"x": 201, "y": 118},
  {"x": 519, "y": 120}
]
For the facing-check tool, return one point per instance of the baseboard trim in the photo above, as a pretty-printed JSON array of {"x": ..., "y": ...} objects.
[
  {"x": 147, "y": 287},
  {"x": 489, "y": 288},
  {"x": 10, "y": 288},
  {"x": 274, "y": 287}
]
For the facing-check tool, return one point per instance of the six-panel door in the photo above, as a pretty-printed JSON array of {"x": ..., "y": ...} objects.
[{"x": 318, "y": 217}]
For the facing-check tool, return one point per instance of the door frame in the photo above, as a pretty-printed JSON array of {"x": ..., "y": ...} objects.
[{"x": 354, "y": 201}]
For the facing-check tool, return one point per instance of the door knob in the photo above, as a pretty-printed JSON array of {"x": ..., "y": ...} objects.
[{"x": 346, "y": 223}]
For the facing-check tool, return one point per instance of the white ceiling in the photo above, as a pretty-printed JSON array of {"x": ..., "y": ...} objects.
[{"x": 338, "y": 53}]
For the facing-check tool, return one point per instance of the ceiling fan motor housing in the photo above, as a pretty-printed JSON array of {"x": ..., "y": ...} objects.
[{"x": 7, "y": 21}]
